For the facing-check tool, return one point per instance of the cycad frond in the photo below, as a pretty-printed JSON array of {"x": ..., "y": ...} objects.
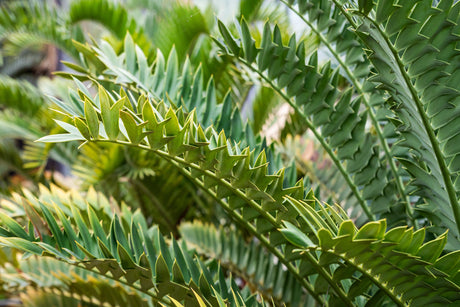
[
  {"x": 32, "y": 24},
  {"x": 362, "y": 259},
  {"x": 259, "y": 269},
  {"x": 237, "y": 180},
  {"x": 314, "y": 93},
  {"x": 43, "y": 280},
  {"x": 119, "y": 248},
  {"x": 178, "y": 86},
  {"x": 413, "y": 48},
  {"x": 103, "y": 165}
]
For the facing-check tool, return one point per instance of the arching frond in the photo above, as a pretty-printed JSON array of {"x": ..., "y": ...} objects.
[
  {"x": 314, "y": 93},
  {"x": 118, "y": 170},
  {"x": 116, "y": 245},
  {"x": 413, "y": 48},
  {"x": 43, "y": 280},
  {"x": 259, "y": 269},
  {"x": 386, "y": 116},
  {"x": 361, "y": 259},
  {"x": 236, "y": 179}
]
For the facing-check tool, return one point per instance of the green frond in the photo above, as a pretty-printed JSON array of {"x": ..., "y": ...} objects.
[
  {"x": 247, "y": 260},
  {"x": 33, "y": 24},
  {"x": 20, "y": 95},
  {"x": 115, "y": 245},
  {"x": 104, "y": 165},
  {"x": 413, "y": 49},
  {"x": 160, "y": 132},
  {"x": 178, "y": 86},
  {"x": 334, "y": 116},
  {"x": 327, "y": 21},
  {"x": 345, "y": 50},
  {"x": 115, "y": 18},
  {"x": 378, "y": 263},
  {"x": 234, "y": 177},
  {"x": 46, "y": 280},
  {"x": 196, "y": 153}
]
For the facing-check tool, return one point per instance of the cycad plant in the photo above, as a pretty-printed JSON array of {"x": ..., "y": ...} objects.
[{"x": 212, "y": 218}]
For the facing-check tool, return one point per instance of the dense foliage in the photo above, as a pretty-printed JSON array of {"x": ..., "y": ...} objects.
[{"x": 143, "y": 172}]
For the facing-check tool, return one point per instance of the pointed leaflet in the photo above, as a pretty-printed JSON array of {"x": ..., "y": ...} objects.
[
  {"x": 92, "y": 119},
  {"x": 110, "y": 113},
  {"x": 134, "y": 130}
]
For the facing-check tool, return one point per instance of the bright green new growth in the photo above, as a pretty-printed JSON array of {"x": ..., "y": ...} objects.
[{"x": 384, "y": 109}]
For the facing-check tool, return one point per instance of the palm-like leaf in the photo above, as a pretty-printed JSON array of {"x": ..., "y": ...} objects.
[
  {"x": 420, "y": 126},
  {"x": 410, "y": 48},
  {"x": 119, "y": 248},
  {"x": 250, "y": 261},
  {"x": 249, "y": 195},
  {"x": 396, "y": 256},
  {"x": 45, "y": 280},
  {"x": 138, "y": 169},
  {"x": 163, "y": 108},
  {"x": 320, "y": 102}
]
